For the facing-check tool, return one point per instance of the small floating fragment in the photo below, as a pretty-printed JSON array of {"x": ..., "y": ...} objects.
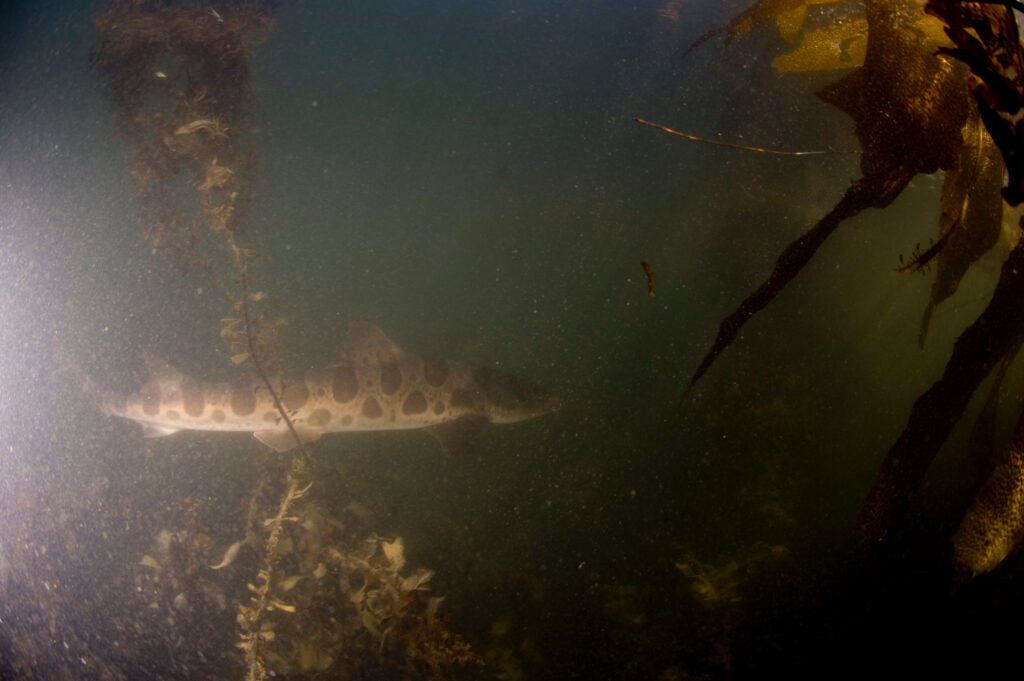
[
  {"x": 649, "y": 276},
  {"x": 395, "y": 552},
  {"x": 289, "y": 583},
  {"x": 229, "y": 556}
]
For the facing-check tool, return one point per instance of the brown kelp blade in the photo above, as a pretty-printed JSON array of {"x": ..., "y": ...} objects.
[
  {"x": 987, "y": 39},
  {"x": 982, "y": 444},
  {"x": 864, "y": 193},
  {"x": 995, "y": 334},
  {"x": 909, "y": 108},
  {"x": 994, "y": 524},
  {"x": 839, "y": 46},
  {"x": 971, "y": 218},
  {"x": 788, "y": 16}
]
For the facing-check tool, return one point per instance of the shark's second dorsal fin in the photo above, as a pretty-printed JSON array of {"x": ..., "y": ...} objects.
[
  {"x": 365, "y": 338},
  {"x": 158, "y": 368},
  {"x": 461, "y": 436}
]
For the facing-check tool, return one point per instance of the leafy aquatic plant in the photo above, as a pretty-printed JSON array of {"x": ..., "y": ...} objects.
[
  {"x": 179, "y": 75},
  {"x": 912, "y": 104},
  {"x": 394, "y": 607}
]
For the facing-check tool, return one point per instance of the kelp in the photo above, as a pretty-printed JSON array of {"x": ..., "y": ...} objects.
[
  {"x": 787, "y": 15},
  {"x": 911, "y": 101},
  {"x": 909, "y": 109},
  {"x": 842, "y": 45},
  {"x": 994, "y": 524},
  {"x": 987, "y": 40},
  {"x": 970, "y": 221},
  {"x": 982, "y": 443},
  {"x": 976, "y": 352}
]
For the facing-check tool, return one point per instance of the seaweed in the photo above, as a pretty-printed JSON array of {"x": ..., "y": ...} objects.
[
  {"x": 912, "y": 104},
  {"x": 994, "y": 524},
  {"x": 909, "y": 109},
  {"x": 787, "y": 15},
  {"x": 970, "y": 222},
  {"x": 179, "y": 76},
  {"x": 986, "y": 39},
  {"x": 394, "y": 607}
]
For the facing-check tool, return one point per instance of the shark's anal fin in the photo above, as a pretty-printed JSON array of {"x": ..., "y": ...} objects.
[
  {"x": 149, "y": 430},
  {"x": 282, "y": 440},
  {"x": 461, "y": 436}
]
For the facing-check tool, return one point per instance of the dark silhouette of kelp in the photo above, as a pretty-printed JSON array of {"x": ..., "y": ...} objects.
[
  {"x": 994, "y": 335},
  {"x": 909, "y": 109},
  {"x": 911, "y": 101},
  {"x": 987, "y": 40},
  {"x": 971, "y": 217}
]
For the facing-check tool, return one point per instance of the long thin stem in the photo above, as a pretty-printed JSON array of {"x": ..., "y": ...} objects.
[
  {"x": 732, "y": 145},
  {"x": 243, "y": 283},
  {"x": 250, "y": 619}
]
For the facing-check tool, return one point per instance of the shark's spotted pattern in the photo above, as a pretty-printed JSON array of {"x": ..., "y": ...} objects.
[
  {"x": 375, "y": 385},
  {"x": 415, "y": 403},
  {"x": 243, "y": 400},
  {"x": 344, "y": 384}
]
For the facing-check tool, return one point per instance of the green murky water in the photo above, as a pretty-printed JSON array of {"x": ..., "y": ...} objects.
[{"x": 468, "y": 176}]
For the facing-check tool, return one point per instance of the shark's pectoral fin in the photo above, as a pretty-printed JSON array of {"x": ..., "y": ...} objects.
[
  {"x": 462, "y": 435},
  {"x": 282, "y": 440},
  {"x": 149, "y": 430}
]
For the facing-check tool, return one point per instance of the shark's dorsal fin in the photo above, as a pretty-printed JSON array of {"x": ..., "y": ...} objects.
[
  {"x": 461, "y": 436},
  {"x": 365, "y": 338},
  {"x": 158, "y": 368}
]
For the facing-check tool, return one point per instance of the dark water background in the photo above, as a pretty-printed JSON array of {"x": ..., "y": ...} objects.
[{"x": 468, "y": 176}]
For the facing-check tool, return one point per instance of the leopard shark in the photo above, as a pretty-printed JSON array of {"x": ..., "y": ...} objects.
[{"x": 374, "y": 385}]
